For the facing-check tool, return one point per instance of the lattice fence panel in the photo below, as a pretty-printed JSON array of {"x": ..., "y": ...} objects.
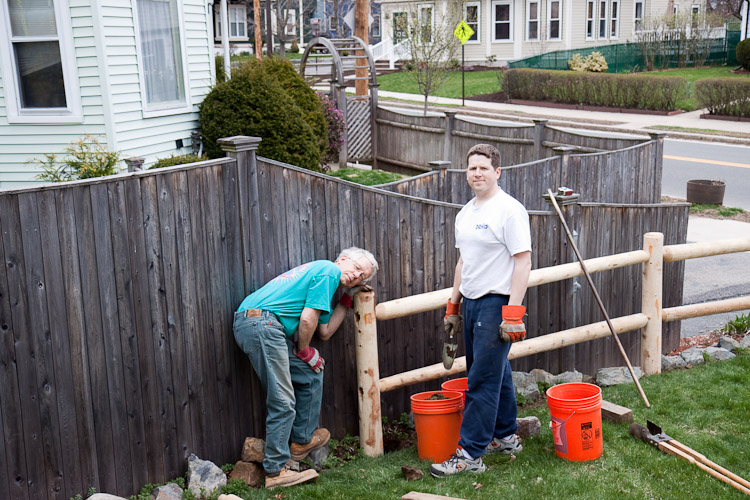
[{"x": 358, "y": 129}]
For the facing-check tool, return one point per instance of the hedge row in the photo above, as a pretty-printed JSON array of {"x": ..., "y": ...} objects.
[
  {"x": 724, "y": 96},
  {"x": 595, "y": 89}
]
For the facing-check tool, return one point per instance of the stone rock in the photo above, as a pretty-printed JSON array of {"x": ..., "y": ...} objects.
[
  {"x": 728, "y": 343},
  {"x": 105, "y": 496},
  {"x": 411, "y": 473},
  {"x": 542, "y": 376},
  {"x": 569, "y": 377},
  {"x": 253, "y": 450},
  {"x": 719, "y": 353},
  {"x": 171, "y": 491},
  {"x": 204, "y": 475},
  {"x": 249, "y": 472},
  {"x": 229, "y": 497},
  {"x": 745, "y": 342},
  {"x": 526, "y": 385},
  {"x": 528, "y": 426},
  {"x": 319, "y": 457},
  {"x": 606, "y": 377},
  {"x": 693, "y": 356},
  {"x": 669, "y": 363}
]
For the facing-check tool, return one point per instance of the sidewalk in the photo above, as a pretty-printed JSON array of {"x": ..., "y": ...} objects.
[{"x": 632, "y": 123}]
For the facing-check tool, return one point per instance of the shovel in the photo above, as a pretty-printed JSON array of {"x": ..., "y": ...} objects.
[{"x": 449, "y": 351}]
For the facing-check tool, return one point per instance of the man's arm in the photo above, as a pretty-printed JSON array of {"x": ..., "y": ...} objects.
[
  {"x": 308, "y": 322},
  {"x": 326, "y": 330},
  {"x": 520, "y": 279},
  {"x": 456, "y": 293}
]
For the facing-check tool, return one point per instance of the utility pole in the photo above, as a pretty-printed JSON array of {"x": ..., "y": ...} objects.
[
  {"x": 258, "y": 30},
  {"x": 269, "y": 29},
  {"x": 361, "y": 29}
]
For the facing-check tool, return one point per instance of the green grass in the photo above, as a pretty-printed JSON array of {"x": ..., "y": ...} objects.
[
  {"x": 477, "y": 82},
  {"x": 366, "y": 177},
  {"x": 721, "y": 210},
  {"x": 704, "y": 407}
]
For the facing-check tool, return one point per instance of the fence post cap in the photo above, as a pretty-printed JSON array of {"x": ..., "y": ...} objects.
[
  {"x": 439, "y": 164},
  {"x": 564, "y": 150},
  {"x": 657, "y": 135},
  {"x": 239, "y": 143},
  {"x": 540, "y": 121}
]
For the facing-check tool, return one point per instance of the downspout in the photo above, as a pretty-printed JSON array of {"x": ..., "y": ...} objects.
[{"x": 225, "y": 38}]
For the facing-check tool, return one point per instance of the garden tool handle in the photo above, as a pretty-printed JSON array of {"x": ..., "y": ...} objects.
[
  {"x": 702, "y": 458},
  {"x": 667, "y": 447}
]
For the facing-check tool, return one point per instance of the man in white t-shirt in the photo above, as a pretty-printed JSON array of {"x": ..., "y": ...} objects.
[{"x": 492, "y": 274}]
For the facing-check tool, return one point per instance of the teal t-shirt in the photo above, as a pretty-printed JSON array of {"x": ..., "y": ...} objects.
[{"x": 309, "y": 285}]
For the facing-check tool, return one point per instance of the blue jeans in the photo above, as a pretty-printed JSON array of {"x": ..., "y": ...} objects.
[
  {"x": 491, "y": 399},
  {"x": 293, "y": 390}
]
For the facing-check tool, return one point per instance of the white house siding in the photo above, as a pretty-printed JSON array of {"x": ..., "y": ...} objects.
[
  {"x": 572, "y": 36},
  {"x": 153, "y": 137},
  {"x": 20, "y": 143}
]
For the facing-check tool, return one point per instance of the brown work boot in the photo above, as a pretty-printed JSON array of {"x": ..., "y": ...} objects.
[
  {"x": 320, "y": 438},
  {"x": 287, "y": 477}
]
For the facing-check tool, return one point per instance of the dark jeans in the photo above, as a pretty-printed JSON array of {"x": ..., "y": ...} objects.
[{"x": 491, "y": 399}]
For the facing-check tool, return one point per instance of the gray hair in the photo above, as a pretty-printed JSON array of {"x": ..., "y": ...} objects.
[{"x": 355, "y": 253}]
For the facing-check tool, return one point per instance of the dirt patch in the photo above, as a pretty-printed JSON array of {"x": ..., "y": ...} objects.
[
  {"x": 397, "y": 435},
  {"x": 706, "y": 340},
  {"x": 711, "y": 213}
]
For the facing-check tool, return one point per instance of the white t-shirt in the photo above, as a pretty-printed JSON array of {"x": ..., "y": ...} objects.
[{"x": 487, "y": 237}]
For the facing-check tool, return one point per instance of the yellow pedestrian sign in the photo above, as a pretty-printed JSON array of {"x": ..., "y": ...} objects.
[{"x": 463, "y": 32}]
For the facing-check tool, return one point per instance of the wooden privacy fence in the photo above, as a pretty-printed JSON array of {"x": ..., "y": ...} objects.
[
  {"x": 649, "y": 320},
  {"x": 117, "y": 297},
  {"x": 630, "y": 175},
  {"x": 409, "y": 140}
]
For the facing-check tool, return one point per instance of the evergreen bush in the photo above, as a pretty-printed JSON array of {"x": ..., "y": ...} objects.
[
  {"x": 743, "y": 53},
  {"x": 173, "y": 160},
  {"x": 255, "y": 103}
]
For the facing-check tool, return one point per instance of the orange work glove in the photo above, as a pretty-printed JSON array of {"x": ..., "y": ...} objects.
[
  {"x": 453, "y": 322},
  {"x": 512, "y": 328}
]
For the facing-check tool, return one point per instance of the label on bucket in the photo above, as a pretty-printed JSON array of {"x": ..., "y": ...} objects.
[{"x": 587, "y": 435}]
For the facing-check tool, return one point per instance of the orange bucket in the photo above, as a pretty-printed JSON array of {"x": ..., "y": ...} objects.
[
  {"x": 576, "y": 413},
  {"x": 438, "y": 424},
  {"x": 458, "y": 385}
]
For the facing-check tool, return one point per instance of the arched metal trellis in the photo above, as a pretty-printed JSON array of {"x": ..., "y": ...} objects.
[{"x": 336, "y": 61}]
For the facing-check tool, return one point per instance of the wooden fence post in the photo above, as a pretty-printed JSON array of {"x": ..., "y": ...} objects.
[
  {"x": 450, "y": 121},
  {"x": 651, "y": 303},
  {"x": 539, "y": 126},
  {"x": 442, "y": 167},
  {"x": 368, "y": 374}
]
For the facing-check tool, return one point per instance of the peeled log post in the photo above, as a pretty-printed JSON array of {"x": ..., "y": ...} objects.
[
  {"x": 651, "y": 303},
  {"x": 368, "y": 374},
  {"x": 706, "y": 309},
  {"x": 674, "y": 253}
]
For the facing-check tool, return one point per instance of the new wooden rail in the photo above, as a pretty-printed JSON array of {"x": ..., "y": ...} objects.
[{"x": 649, "y": 320}]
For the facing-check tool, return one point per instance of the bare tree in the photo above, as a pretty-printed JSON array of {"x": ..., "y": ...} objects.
[
  {"x": 726, "y": 8},
  {"x": 428, "y": 37}
]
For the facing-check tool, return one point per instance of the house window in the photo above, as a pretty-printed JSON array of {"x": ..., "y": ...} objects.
[
  {"x": 37, "y": 61},
  {"x": 502, "y": 13},
  {"x": 532, "y": 20},
  {"x": 375, "y": 26},
  {"x": 554, "y": 19},
  {"x": 425, "y": 22},
  {"x": 638, "y": 16},
  {"x": 590, "y": 19},
  {"x": 603, "y": 19},
  {"x": 160, "y": 46},
  {"x": 400, "y": 26},
  {"x": 695, "y": 10},
  {"x": 614, "y": 19},
  {"x": 291, "y": 23},
  {"x": 471, "y": 16},
  {"x": 237, "y": 22}
]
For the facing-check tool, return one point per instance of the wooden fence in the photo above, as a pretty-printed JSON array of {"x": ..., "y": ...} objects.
[
  {"x": 409, "y": 141},
  {"x": 628, "y": 176},
  {"x": 117, "y": 297}
]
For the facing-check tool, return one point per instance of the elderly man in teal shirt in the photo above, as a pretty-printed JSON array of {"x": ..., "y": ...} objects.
[{"x": 274, "y": 326}]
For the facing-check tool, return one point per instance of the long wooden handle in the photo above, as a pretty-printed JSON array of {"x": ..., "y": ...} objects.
[
  {"x": 667, "y": 447},
  {"x": 598, "y": 299},
  {"x": 702, "y": 458}
]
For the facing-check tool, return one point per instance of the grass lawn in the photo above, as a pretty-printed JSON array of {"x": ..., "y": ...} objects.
[
  {"x": 704, "y": 407},
  {"x": 485, "y": 82},
  {"x": 367, "y": 177}
]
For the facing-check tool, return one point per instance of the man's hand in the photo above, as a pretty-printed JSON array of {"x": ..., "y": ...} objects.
[
  {"x": 512, "y": 328},
  {"x": 312, "y": 357},
  {"x": 347, "y": 298},
  {"x": 453, "y": 322}
]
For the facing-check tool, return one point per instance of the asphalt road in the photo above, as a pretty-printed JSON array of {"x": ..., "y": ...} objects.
[{"x": 720, "y": 276}]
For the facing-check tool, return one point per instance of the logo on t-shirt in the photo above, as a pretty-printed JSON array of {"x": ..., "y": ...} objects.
[
  {"x": 291, "y": 275},
  {"x": 482, "y": 226}
]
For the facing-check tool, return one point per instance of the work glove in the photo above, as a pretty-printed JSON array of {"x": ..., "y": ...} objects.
[
  {"x": 453, "y": 322},
  {"x": 312, "y": 357},
  {"x": 512, "y": 328},
  {"x": 347, "y": 298}
]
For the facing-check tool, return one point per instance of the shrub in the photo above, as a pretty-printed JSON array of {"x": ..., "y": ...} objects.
[
  {"x": 615, "y": 90},
  {"x": 255, "y": 103},
  {"x": 294, "y": 48},
  {"x": 87, "y": 158},
  {"x": 173, "y": 160},
  {"x": 221, "y": 76},
  {"x": 724, "y": 96},
  {"x": 336, "y": 128},
  {"x": 743, "y": 53},
  {"x": 593, "y": 62}
]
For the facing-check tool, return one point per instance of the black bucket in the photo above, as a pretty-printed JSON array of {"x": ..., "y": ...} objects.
[{"x": 705, "y": 192}]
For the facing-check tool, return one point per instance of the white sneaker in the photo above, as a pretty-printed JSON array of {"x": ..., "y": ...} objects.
[
  {"x": 456, "y": 464},
  {"x": 507, "y": 446}
]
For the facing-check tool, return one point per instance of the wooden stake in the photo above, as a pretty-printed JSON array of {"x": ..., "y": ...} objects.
[{"x": 368, "y": 374}]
